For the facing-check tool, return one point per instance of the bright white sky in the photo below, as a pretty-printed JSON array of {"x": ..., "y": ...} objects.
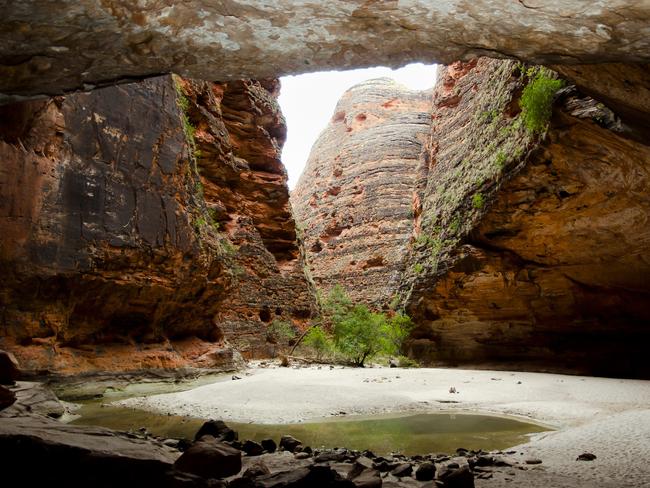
[{"x": 308, "y": 102}]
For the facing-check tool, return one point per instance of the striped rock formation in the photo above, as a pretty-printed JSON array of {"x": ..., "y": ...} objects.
[{"x": 353, "y": 199}]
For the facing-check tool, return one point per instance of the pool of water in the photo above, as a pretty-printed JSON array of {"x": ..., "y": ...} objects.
[{"x": 409, "y": 434}]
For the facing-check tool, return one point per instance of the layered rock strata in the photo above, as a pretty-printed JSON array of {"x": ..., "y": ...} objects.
[
  {"x": 353, "y": 200},
  {"x": 529, "y": 252},
  {"x": 119, "y": 249},
  {"x": 47, "y": 48}
]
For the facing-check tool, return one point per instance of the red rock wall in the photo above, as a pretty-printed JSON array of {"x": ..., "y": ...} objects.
[{"x": 109, "y": 253}]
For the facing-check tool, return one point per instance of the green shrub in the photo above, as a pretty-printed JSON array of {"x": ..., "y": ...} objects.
[
  {"x": 477, "y": 201},
  {"x": 398, "y": 328},
  {"x": 280, "y": 331},
  {"x": 537, "y": 100},
  {"x": 358, "y": 334},
  {"x": 418, "y": 268},
  {"x": 318, "y": 341}
]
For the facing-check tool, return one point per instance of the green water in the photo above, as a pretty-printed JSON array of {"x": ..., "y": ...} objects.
[{"x": 408, "y": 434}]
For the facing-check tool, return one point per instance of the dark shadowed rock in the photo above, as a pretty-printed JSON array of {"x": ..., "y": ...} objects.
[
  {"x": 252, "y": 448},
  {"x": 210, "y": 459},
  {"x": 425, "y": 471},
  {"x": 366, "y": 478},
  {"x": 461, "y": 477},
  {"x": 9, "y": 369},
  {"x": 217, "y": 429},
  {"x": 45, "y": 452},
  {"x": 7, "y": 397},
  {"x": 269, "y": 445},
  {"x": 402, "y": 470},
  {"x": 289, "y": 443}
]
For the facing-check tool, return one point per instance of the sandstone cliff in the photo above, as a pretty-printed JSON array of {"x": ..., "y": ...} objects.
[
  {"x": 529, "y": 252},
  {"x": 145, "y": 224},
  {"x": 353, "y": 199}
]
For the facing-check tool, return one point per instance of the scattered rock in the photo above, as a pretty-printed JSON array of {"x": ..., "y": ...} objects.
[
  {"x": 269, "y": 445},
  {"x": 235, "y": 377},
  {"x": 533, "y": 461},
  {"x": 256, "y": 469},
  {"x": 171, "y": 443},
  {"x": 402, "y": 470},
  {"x": 7, "y": 398},
  {"x": 392, "y": 363},
  {"x": 331, "y": 456},
  {"x": 34, "y": 398},
  {"x": 303, "y": 455},
  {"x": 210, "y": 459},
  {"x": 366, "y": 478},
  {"x": 306, "y": 477},
  {"x": 289, "y": 443},
  {"x": 461, "y": 477},
  {"x": 217, "y": 429},
  {"x": 9, "y": 369},
  {"x": 586, "y": 456},
  {"x": 252, "y": 448},
  {"x": 425, "y": 471}
]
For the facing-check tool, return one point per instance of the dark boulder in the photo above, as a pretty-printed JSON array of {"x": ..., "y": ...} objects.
[
  {"x": 269, "y": 445},
  {"x": 289, "y": 443},
  {"x": 252, "y": 448},
  {"x": 7, "y": 397},
  {"x": 402, "y": 470},
  {"x": 217, "y": 429},
  {"x": 460, "y": 477},
  {"x": 425, "y": 471},
  {"x": 210, "y": 459},
  {"x": 9, "y": 369}
]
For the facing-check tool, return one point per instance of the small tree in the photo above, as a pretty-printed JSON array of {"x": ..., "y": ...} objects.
[{"x": 360, "y": 334}]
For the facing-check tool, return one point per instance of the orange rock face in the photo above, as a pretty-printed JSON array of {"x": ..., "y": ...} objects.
[
  {"x": 353, "y": 199},
  {"x": 549, "y": 270},
  {"x": 120, "y": 250}
]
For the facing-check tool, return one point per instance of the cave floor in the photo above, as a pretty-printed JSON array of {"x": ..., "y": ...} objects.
[{"x": 604, "y": 416}]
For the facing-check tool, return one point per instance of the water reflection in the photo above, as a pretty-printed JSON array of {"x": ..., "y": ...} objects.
[{"x": 409, "y": 434}]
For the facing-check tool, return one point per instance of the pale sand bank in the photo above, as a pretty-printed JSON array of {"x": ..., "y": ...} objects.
[{"x": 608, "y": 417}]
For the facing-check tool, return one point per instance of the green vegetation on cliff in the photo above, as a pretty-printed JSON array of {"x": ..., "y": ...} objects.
[{"x": 537, "y": 99}]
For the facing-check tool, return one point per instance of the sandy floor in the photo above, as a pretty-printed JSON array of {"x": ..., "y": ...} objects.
[{"x": 607, "y": 417}]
